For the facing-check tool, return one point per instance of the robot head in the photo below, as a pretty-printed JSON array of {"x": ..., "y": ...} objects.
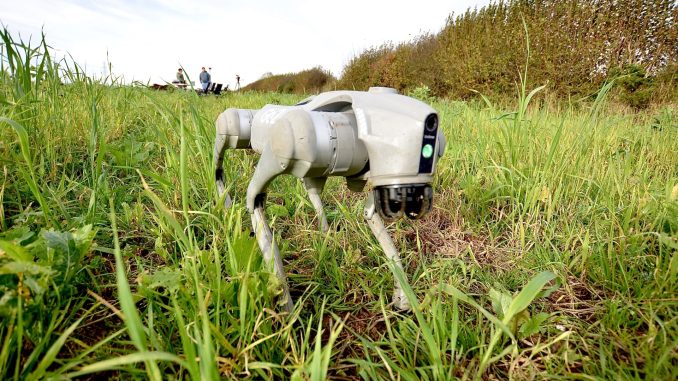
[
  {"x": 381, "y": 139},
  {"x": 413, "y": 200}
]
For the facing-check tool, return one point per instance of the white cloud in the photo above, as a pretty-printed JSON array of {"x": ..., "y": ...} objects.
[{"x": 149, "y": 40}]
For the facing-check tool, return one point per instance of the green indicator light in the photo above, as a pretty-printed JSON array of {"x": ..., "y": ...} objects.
[{"x": 427, "y": 151}]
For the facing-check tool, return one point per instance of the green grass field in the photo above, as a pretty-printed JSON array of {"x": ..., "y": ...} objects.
[{"x": 551, "y": 251}]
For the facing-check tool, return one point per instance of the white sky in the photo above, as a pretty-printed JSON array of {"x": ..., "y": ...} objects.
[{"x": 149, "y": 40}]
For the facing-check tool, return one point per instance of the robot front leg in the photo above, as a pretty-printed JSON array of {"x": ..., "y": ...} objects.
[
  {"x": 376, "y": 224},
  {"x": 221, "y": 188},
  {"x": 270, "y": 249},
  {"x": 220, "y": 147},
  {"x": 314, "y": 187},
  {"x": 268, "y": 167}
]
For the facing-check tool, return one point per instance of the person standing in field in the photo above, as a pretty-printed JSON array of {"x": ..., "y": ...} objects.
[
  {"x": 205, "y": 79},
  {"x": 237, "y": 82}
]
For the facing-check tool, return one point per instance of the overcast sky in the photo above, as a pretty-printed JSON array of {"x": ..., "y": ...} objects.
[{"x": 149, "y": 40}]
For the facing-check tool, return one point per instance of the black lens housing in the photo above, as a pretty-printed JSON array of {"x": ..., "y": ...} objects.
[
  {"x": 431, "y": 123},
  {"x": 394, "y": 201}
]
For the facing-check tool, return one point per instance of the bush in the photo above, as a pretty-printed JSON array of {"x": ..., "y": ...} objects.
[
  {"x": 635, "y": 86},
  {"x": 573, "y": 45},
  {"x": 304, "y": 82},
  {"x": 422, "y": 93}
]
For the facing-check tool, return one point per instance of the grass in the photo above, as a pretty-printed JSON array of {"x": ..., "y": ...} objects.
[{"x": 550, "y": 252}]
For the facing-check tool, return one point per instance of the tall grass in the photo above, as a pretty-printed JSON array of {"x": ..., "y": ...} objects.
[{"x": 551, "y": 252}]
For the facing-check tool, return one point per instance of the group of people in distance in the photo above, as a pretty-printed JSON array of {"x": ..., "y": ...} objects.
[{"x": 205, "y": 79}]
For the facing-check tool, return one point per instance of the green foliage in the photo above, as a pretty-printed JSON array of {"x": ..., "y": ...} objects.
[
  {"x": 38, "y": 273},
  {"x": 422, "y": 93},
  {"x": 636, "y": 87},
  {"x": 40, "y": 269},
  {"x": 309, "y": 81},
  {"x": 574, "y": 45}
]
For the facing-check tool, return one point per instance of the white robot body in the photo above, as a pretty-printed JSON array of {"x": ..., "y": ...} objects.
[
  {"x": 323, "y": 142},
  {"x": 390, "y": 126},
  {"x": 380, "y": 138}
]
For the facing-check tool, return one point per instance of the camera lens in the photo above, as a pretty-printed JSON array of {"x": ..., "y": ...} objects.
[
  {"x": 418, "y": 202},
  {"x": 389, "y": 203},
  {"x": 431, "y": 123},
  {"x": 394, "y": 201}
]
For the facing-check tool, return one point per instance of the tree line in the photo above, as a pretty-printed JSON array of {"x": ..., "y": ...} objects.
[{"x": 574, "y": 47}]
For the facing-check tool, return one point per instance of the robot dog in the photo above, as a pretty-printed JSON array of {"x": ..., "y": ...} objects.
[{"x": 379, "y": 139}]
